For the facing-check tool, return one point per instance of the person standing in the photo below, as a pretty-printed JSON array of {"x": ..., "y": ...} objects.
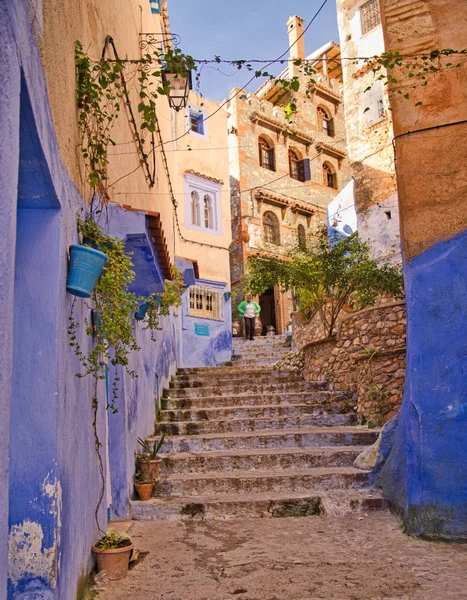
[{"x": 249, "y": 310}]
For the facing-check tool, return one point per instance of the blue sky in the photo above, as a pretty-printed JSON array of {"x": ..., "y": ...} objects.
[{"x": 244, "y": 29}]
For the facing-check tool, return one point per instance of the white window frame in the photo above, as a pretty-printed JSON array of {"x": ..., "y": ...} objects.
[
  {"x": 206, "y": 302},
  {"x": 192, "y": 109},
  {"x": 203, "y": 187},
  {"x": 373, "y": 99}
]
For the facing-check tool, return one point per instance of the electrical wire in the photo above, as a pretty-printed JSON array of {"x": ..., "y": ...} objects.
[{"x": 267, "y": 65}]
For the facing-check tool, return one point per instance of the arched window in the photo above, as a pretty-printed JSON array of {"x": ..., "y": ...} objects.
[
  {"x": 208, "y": 220},
  {"x": 296, "y": 166},
  {"x": 266, "y": 154},
  {"x": 195, "y": 216},
  {"x": 301, "y": 237},
  {"x": 271, "y": 228},
  {"x": 329, "y": 176},
  {"x": 325, "y": 122}
]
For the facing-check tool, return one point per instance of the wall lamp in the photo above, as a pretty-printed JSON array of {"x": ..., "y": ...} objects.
[{"x": 179, "y": 84}]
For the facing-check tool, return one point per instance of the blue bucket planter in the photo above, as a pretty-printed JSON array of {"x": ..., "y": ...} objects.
[
  {"x": 143, "y": 309},
  {"x": 86, "y": 266}
]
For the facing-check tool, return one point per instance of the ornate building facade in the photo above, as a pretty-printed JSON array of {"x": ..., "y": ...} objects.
[{"x": 284, "y": 173}]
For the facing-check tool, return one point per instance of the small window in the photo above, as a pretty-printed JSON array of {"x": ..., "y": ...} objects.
[
  {"x": 329, "y": 176},
  {"x": 370, "y": 16},
  {"x": 325, "y": 122},
  {"x": 208, "y": 220},
  {"x": 197, "y": 121},
  {"x": 301, "y": 237},
  {"x": 271, "y": 228},
  {"x": 205, "y": 302},
  {"x": 373, "y": 101},
  {"x": 296, "y": 166},
  {"x": 266, "y": 154},
  {"x": 195, "y": 216},
  {"x": 202, "y": 204}
]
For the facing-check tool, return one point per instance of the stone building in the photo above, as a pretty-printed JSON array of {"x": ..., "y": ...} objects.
[
  {"x": 283, "y": 174},
  {"x": 426, "y": 473},
  {"x": 369, "y": 129},
  {"x": 51, "y": 478}
]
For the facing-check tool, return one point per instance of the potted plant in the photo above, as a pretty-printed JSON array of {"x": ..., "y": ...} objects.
[
  {"x": 148, "y": 462},
  {"x": 113, "y": 553},
  {"x": 143, "y": 488},
  {"x": 86, "y": 266}
]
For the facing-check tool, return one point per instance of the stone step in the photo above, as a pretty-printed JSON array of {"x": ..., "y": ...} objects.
[
  {"x": 243, "y": 425},
  {"x": 261, "y": 460},
  {"x": 240, "y": 388},
  {"x": 270, "y": 505},
  {"x": 259, "y": 363},
  {"x": 232, "y": 374},
  {"x": 197, "y": 382},
  {"x": 313, "y": 397},
  {"x": 293, "y": 438},
  {"x": 266, "y": 411},
  {"x": 220, "y": 483}
]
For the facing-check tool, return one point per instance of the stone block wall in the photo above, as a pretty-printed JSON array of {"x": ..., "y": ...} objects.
[{"x": 366, "y": 355}]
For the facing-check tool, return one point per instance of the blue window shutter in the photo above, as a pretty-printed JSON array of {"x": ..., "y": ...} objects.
[
  {"x": 200, "y": 120},
  {"x": 155, "y": 6},
  {"x": 306, "y": 169}
]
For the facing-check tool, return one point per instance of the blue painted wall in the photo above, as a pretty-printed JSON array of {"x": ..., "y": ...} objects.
[
  {"x": 52, "y": 468},
  {"x": 200, "y": 350},
  {"x": 154, "y": 364},
  {"x": 9, "y": 164},
  {"x": 425, "y": 476}
]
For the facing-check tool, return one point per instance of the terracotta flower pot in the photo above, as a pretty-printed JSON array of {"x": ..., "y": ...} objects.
[
  {"x": 144, "y": 489},
  {"x": 115, "y": 562},
  {"x": 148, "y": 469}
]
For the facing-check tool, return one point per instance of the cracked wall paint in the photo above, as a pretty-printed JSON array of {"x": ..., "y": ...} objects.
[{"x": 27, "y": 556}]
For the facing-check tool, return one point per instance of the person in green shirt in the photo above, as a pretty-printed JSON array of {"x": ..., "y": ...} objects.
[{"x": 249, "y": 310}]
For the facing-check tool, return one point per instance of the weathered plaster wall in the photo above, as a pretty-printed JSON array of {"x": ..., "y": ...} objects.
[
  {"x": 9, "y": 154},
  {"x": 370, "y": 148},
  {"x": 366, "y": 355},
  {"x": 54, "y": 479},
  {"x": 52, "y": 457},
  {"x": 426, "y": 471}
]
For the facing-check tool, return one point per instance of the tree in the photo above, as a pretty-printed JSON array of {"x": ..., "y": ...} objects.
[{"x": 326, "y": 277}]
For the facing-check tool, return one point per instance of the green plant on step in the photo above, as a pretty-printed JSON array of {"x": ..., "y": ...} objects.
[
  {"x": 113, "y": 540},
  {"x": 150, "y": 451}
]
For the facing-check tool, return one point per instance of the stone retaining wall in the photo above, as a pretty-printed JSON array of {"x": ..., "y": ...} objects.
[{"x": 366, "y": 355}]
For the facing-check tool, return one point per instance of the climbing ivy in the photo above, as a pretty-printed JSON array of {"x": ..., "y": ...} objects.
[{"x": 101, "y": 88}]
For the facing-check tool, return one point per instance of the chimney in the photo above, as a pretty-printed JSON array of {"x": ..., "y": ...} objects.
[{"x": 297, "y": 43}]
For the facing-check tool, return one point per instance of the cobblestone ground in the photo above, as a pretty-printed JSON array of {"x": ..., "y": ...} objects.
[{"x": 345, "y": 558}]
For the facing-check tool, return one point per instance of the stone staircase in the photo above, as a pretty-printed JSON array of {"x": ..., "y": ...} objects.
[
  {"x": 249, "y": 441},
  {"x": 262, "y": 351}
]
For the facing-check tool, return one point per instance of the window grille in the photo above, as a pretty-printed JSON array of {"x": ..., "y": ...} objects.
[
  {"x": 370, "y": 16},
  {"x": 373, "y": 100},
  {"x": 206, "y": 302},
  {"x": 271, "y": 228},
  {"x": 325, "y": 122},
  {"x": 195, "y": 216},
  {"x": 208, "y": 221},
  {"x": 329, "y": 177},
  {"x": 266, "y": 154}
]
